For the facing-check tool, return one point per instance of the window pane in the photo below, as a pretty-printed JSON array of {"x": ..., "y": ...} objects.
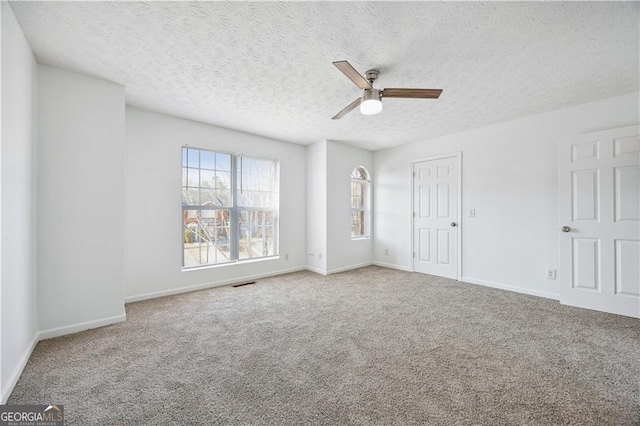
[
  {"x": 360, "y": 173},
  {"x": 357, "y": 223},
  {"x": 207, "y": 197},
  {"x": 206, "y": 237},
  {"x": 223, "y": 162},
  {"x": 190, "y": 238},
  {"x": 257, "y": 186},
  {"x": 193, "y": 177},
  {"x": 257, "y": 174},
  {"x": 357, "y": 194},
  {"x": 244, "y": 243},
  {"x": 257, "y": 236},
  {"x": 207, "y": 160},
  {"x": 357, "y": 200},
  {"x": 207, "y": 178},
  {"x": 244, "y": 199},
  {"x": 193, "y": 158},
  {"x": 354, "y": 224},
  {"x": 190, "y": 197},
  {"x": 223, "y": 180},
  {"x": 223, "y": 198}
]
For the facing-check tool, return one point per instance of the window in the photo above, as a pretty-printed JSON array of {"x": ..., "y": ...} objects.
[
  {"x": 360, "y": 203},
  {"x": 229, "y": 208}
]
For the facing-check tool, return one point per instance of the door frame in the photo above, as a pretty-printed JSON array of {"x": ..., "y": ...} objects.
[{"x": 458, "y": 156}]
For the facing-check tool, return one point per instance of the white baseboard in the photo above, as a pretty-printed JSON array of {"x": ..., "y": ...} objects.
[
  {"x": 507, "y": 287},
  {"x": 75, "y": 328},
  {"x": 197, "y": 287},
  {"x": 17, "y": 371},
  {"x": 392, "y": 266},
  {"x": 316, "y": 270},
  {"x": 349, "y": 268}
]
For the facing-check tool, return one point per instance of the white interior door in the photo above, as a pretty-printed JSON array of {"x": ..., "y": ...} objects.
[
  {"x": 436, "y": 192},
  {"x": 599, "y": 215}
]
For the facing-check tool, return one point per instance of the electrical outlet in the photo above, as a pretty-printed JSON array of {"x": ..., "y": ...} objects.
[
  {"x": 286, "y": 256},
  {"x": 551, "y": 274},
  {"x": 319, "y": 255},
  {"x": 386, "y": 252}
]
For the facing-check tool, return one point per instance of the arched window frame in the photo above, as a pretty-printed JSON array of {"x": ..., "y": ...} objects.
[{"x": 360, "y": 203}]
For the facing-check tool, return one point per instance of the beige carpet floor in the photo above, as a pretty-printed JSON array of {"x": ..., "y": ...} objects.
[{"x": 372, "y": 346}]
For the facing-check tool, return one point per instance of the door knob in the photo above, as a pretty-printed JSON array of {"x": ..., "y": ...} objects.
[
  {"x": 454, "y": 224},
  {"x": 565, "y": 229}
]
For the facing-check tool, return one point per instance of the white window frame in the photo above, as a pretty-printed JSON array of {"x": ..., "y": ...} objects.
[
  {"x": 235, "y": 211},
  {"x": 365, "y": 210}
]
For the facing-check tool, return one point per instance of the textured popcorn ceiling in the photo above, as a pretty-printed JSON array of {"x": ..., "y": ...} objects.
[{"x": 265, "y": 68}]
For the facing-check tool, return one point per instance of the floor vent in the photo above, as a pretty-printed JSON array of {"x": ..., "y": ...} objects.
[{"x": 241, "y": 284}]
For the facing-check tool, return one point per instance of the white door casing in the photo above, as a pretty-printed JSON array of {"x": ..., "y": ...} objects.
[
  {"x": 599, "y": 220},
  {"x": 436, "y": 221}
]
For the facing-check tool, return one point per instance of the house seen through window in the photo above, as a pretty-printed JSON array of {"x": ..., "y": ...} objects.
[
  {"x": 229, "y": 207},
  {"x": 360, "y": 203}
]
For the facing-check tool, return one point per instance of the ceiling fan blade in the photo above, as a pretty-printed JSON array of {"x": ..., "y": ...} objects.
[
  {"x": 347, "y": 110},
  {"x": 412, "y": 93},
  {"x": 348, "y": 70}
]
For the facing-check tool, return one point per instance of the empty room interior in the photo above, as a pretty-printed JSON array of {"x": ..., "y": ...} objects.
[{"x": 321, "y": 212}]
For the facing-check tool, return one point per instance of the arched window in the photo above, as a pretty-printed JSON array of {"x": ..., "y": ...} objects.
[{"x": 360, "y": 203}]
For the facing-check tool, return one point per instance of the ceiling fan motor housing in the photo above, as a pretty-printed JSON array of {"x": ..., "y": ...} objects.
[
  {"x": 371, "y": 75},
  {"x": 370, "y": 94}
]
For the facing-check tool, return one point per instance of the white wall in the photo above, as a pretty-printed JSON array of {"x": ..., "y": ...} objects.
[
  {"x": 343, "y": 253},
  {"x": 2, "y": 388},
  {"x": 330, "y": 248},
  {"x": 80, "y": 202},
  {"x": 153, "y": 212},
  {"x": 18, "y": 290},
  {"x": 316, "y": 159},
  {"x": 510, "y": 178}
]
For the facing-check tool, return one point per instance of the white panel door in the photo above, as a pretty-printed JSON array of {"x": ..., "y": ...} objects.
[
  {"x": 435, "y": 216},
  {"x": 599, "y": 215}
]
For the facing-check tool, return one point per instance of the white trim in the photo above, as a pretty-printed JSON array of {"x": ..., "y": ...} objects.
[
  {"x": 196, "y": 287},
  {"x": 515, "y": 289},
  {"x": 460, "y": 210},
  {"x": 349, "y": 268},
  {"x": 458, "y": 155},
  {"x": 75, "y": 328},
  {"x": 368, "y": 208},
  {"x": 392, "y": 266},
  {"x": 17, "y": 371},
  {"x": 436, "y": 157},
  {"x": 316, "y": 270},
  {"x": 230, "y": 263}
]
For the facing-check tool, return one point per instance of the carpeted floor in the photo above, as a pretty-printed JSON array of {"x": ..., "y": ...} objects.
[{"x": 371, "y": 346}]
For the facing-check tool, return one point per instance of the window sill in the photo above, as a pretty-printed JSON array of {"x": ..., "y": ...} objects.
[
  {"x": 237, "y": 262},
  {"x": 368, "y": 237}
]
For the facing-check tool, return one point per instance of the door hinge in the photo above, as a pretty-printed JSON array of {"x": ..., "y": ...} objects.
[
  {"x": 414, "y": 214},
  {"x": 414, "y": 174},
  {"x": 414, "y": 254}
]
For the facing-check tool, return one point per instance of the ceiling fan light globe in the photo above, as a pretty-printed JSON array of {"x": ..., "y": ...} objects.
[
  {"x": 371, "y": 107},
  {"x": 371, "y": 103}
]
